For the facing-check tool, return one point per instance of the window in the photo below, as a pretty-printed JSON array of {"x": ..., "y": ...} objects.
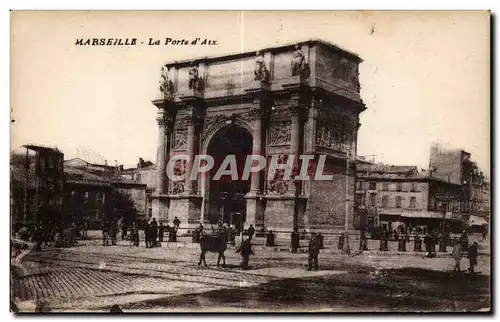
[
  {"x": 399, "y": 186},
  {"x": 385, "y": 201},
  {"x": 373, "y": 186},
  {"x": 385, "y": 186},
  {"x": 413, "y": 186},
  {"x": 413, "y": 202},
  {"x": 398, "y": 201},
  {"x": 372, "y": 200}
]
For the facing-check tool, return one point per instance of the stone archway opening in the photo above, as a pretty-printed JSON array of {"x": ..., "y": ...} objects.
[{"x": 226, "y": 197}]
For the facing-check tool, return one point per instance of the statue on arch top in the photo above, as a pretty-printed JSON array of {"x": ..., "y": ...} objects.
[
  {"x": 260, "y": 70},
  {"x": 166, "y": 85},
  {"x": 195, "y": 82},
  {"x": 298, "y": 61},
  {"x": 299, "y": 67}
]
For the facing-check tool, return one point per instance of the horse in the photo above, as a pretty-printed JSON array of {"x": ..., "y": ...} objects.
[{"x": 214, "y": 244}]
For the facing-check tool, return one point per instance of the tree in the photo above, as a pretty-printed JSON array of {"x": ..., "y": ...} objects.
[{"x": 120, "y": 205}]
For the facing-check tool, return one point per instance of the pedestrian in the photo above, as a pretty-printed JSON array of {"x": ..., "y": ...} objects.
[
  {"x": 457, "y": 255},
  {"x": 245, "y": 250},
  {"x": 173, "y": 234},
  {"x": 105, "y": 233},
  {"x": 86, "y": 228},
  {"x": 428, "y": 245},
  {"x": 124, "y": 230},
  {"x": 114, "y": 232},
  {"x": 200, "y": 229},
  {"x": 176, "y": 222},
  {"x": 161, "y": 232},
  {"x": 472, "y": 254},
  {"x": 313, "y": 251},
  {"x": 295, "y": 240},
  {"x": 168, "y": 229},
  {"x": 251, "y": 232},
  {"x": 363, "y": 241},
  {"x": 270, "y": 238},
  {"x": 154, "y": 232},
  {"x": 147, "y": 234},
  {"x": 134, "y": 235}
]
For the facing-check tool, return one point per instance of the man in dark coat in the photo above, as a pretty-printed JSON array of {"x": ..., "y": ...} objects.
[
  {"x": 295, "y": 239},
  {"x": 134, "y": 235},
  {"x": 313, "y": 253},
  {"x": 472, "y": 254},
  {"x": 251, "y": 232},
  {"x": 270, "y": 238},
  {"x": 105, "y": 233},
  {"x": 173, "y": 234},
  {"x": 147, "y": 234},
  {"x": 245, "y": 251},
  {"x": 154, "y": 232},
  {"x": 114, "y": 232},
  {"x": 161, "y": 232},
  {"x": 176, "y": 222}
]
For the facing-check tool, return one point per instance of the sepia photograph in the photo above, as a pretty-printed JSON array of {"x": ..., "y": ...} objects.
[{"x": 250, "y": 161}]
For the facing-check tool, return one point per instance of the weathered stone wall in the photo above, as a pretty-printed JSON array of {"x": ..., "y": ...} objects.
[
  {"x": 279, "y": 215},
  {"x": 326, "y": 206}
]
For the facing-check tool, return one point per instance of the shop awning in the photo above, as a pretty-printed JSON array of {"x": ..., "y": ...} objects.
[
  {"x": 477, "y": 221},
  {"x": 424, "y": 214}
]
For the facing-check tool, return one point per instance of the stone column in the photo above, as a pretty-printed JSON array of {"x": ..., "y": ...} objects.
[
  {"x": 165, "y": 119},
  {"x": 294, "y": 136},
  {"x": 255, "y": 202},
  {"x": 256, "y": 149},
  {"x": 161, "y": 156},
  {"x": 191, "y": 135}
]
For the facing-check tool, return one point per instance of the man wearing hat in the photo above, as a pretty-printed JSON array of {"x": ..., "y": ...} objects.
[
  {"x": 245, "y": 251},
  {"x": 313, "y": 252}
]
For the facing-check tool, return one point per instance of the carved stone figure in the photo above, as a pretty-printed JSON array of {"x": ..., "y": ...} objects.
[
  {"x": 212, "y": 121},
  {"x": 279, "y": 133},
  {"x": 177, "y": 187},
  {"x": 195, "y": 82},
  {"x": 180, "y": 139},
  {"x": 278, "y": 185},
  {"x": 166, "y": 85},
  {"x": 179, "y": 170},
  {"x": 260, "y": 71},
  {"x": 298, "y": 61}
]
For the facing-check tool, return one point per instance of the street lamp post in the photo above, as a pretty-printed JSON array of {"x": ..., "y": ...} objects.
[{"x": 346, "y": 249}]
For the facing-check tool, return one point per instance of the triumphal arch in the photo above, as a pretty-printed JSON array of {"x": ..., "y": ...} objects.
[{"x": 298, "y": 99}]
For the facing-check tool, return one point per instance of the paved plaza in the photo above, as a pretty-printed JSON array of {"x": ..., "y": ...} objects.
[{"x": 91, "y": 277}]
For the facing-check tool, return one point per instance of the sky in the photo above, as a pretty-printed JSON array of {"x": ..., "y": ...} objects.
[{"x": 425, "y": 76}]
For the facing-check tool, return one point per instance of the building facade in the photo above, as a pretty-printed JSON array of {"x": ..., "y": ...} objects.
[
  {"x": 289, "y": 100},
  {"x": 89, "y": 190},
  {"x": 389, "y": 195},
  {"x": 37, "y": 181},
  {"x": 385, "y": 192}
]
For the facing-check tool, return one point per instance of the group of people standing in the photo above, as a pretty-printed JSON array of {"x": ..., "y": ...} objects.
[{"x": 154, "y": 233}]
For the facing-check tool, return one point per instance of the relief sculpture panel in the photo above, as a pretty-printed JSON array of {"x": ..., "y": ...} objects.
[
  {"x": 278, "y": 185},
  {"x": 179, "y": 170},
  {"x": 333, "y": 131},
  {"x": 279, "y": 133},
  {"x": 180, "y": 140}
]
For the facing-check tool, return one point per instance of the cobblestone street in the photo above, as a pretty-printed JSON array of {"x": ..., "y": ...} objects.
[{"x": 92, "y": 277}]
